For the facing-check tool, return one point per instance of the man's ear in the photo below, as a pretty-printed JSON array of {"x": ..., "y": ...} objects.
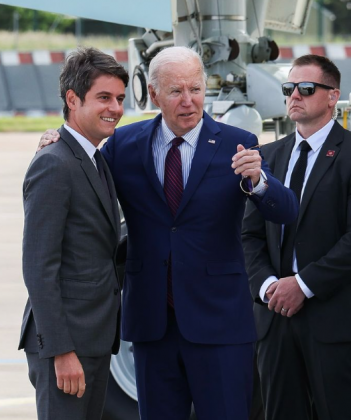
[
  {"x": 153, "y": 95},
  {"x": 71, "y": 99},
  {"x": 335, "y": 95}
]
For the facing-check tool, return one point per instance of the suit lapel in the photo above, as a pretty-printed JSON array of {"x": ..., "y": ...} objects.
[
  {"x": 91, "y": 173},
  {"x": 112, "y": 188},
  {"x": 144, "y": 143},
  {"x": 95, "y": 181},
  {"x": 204, "y": 153},
  {"x": 283, "y": 157},
  {"x": 322, "y": 164}
]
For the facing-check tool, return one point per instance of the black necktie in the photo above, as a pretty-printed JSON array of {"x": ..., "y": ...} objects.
[
  {"x": 173, "y": 188},
  {"x": 296, "y": 184},
  {"x": 100, "y": 168}
]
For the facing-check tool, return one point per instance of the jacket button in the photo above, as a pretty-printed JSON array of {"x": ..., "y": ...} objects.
[
  {"x": 115, "y": 291},
  {"x": 174, "y": 229}
]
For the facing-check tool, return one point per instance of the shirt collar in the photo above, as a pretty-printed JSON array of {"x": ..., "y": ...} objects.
[
  {"x": 89, "y": 148},
  {"x": 190, "y": 137},
  {"x": 317, "y": 139}
]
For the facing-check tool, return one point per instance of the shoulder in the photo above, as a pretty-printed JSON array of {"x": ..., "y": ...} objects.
[
  {"x": 276, "y": 145},
  {"x": 128, "y": 133},
  {"x": 340, "y": 132},
  {"x": 136, "y": 127},
  {"x": 230, "y": 134},
  {"x": 52, "y": 162}
]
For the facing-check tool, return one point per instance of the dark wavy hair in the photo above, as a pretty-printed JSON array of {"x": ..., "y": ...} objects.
[{"x": 80, "y": 70}]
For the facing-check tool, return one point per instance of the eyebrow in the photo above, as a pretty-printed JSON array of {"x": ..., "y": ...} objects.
[{"x": 122, "y": 95}]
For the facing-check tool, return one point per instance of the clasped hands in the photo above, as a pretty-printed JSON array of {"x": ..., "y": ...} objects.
[{"x": 285, "y": 296}]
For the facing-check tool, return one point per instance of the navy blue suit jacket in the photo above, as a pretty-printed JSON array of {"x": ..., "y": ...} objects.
[{"x": 210, "y": 286}]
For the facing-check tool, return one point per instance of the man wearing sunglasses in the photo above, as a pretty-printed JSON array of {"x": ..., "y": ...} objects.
[{"x": 300, "y": 274}]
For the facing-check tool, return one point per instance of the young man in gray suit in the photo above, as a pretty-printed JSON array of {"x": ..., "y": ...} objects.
[{"x": 71, "y": 320}]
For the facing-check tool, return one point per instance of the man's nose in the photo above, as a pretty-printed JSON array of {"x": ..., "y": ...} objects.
[
  {"x": 186, "y": 98},
  {"x": 296, "y": 93},
  {"x": 116, "y": 106}
]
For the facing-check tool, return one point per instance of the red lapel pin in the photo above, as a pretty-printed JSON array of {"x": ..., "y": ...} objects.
[{"x": 330, "y": 153}]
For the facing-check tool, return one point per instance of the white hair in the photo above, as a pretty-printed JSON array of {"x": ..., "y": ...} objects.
[{"x": 172, "y": 55}]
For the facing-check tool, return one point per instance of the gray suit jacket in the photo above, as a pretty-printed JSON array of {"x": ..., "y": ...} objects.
[{"x": 71, "y": 234}]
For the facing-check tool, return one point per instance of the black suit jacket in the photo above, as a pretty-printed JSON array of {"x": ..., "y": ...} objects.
[{"x": 323, "y": 239}]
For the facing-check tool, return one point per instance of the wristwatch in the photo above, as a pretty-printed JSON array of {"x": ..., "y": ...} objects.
[{"x": 247, "y": 187}]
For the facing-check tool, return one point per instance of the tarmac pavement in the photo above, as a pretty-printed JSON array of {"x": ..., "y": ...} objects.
[{"x": 17, "y": 399}]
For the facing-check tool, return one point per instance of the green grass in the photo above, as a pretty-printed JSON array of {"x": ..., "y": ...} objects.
[
  {"x": 30, "y": 41},
  {"x": 40, "y": 124}
]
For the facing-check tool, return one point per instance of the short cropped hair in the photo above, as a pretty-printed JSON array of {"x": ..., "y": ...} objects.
[
  {"x": 331, "y": 74},
  {"x": 172, "y": 55},
  {"x": 80, "y": 70}
]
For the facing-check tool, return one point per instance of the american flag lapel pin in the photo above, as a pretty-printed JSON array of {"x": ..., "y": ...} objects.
[
  {"x": 212, "y": 141},
  {"x": 330, "y": 153}
]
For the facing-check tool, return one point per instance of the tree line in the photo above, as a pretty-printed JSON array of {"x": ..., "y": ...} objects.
[{"x": 32, "y": 20}]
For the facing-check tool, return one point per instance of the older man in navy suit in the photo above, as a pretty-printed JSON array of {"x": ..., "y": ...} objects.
[{"x": 187, "y": 306}]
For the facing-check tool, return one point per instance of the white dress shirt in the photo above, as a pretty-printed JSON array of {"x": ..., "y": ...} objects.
[
  {"x": 88, "y": 147},
  {"x": 162, "y": 143},
  {"x": 316, "y": 142}
]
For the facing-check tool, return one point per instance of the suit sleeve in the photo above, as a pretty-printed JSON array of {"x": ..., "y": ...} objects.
[
  {"x": 279, "y": 204},
  {"x": 107, "y": 149},
  {"x": 258, "y": 244},
  {"x": 46, "y": 195},
  {"x": 257, "y": 257}
]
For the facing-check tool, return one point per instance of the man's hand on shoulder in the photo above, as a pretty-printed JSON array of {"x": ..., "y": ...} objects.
[
  {"x": 50, "y": 136},
  {"x": 70, "y": 374},
  {"x": 287, "y": 297}
]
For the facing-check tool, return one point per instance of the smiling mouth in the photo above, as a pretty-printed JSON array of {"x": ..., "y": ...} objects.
[
  {"x": 107, "y": 119},
  {"x": 186, "y": 115}
]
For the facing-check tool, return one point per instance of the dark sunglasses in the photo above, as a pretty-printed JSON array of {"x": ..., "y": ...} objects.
[{"x": 304, "y": 88}]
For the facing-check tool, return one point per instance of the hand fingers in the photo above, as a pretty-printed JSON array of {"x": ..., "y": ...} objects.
[
  {"x": 240, "y": 148},
  {"x": 294, "y": 311},
  {"x": 66, "y": 386},
  {"x": 74, "y": 386},
  {"x": 50, "y": 136},
  {"x": 81, "y": 386},
  {"x": 247, "y": 164},
  {"x": 246, "y": 156},
  {"x": 279, "y": 309},
  {"x": 60, "y": 383},
  {"x": 284, "y": 311}
]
